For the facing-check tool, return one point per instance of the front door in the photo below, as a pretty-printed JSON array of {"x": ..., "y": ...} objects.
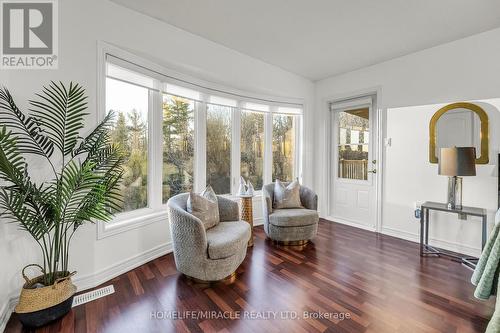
[{"x": 353, "y": 174}]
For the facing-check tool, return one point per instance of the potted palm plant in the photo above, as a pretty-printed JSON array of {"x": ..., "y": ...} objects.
[{"x": 82, "y": 187}]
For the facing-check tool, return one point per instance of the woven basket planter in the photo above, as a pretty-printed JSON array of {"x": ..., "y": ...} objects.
[{"x": 40, "y": 306}]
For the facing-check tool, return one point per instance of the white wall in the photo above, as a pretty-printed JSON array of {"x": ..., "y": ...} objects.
[
  {"x": 412, "y": 88},
  {"x": 81, "y": 25}
]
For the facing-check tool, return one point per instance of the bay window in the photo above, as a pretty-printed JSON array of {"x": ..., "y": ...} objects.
[{"x": 179, "y": 137}]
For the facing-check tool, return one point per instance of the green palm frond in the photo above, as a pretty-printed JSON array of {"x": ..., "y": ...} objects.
[
  {"x": 28, "y": 133},
  {"x": 14, "y": 207},
  {"x": 102, "y": 202},
  {"x": 97, "y": 138},
  {"x": 12, "y": 163},
  {"x": 60, "y": 112},
  {"x": 76, "y": 181}
]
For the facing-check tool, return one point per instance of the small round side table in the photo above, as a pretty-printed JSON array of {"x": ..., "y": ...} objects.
[{"x": 247, "y": 213}]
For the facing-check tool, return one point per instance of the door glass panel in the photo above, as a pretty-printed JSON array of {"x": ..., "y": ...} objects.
[{"x": 353, "y": 143}]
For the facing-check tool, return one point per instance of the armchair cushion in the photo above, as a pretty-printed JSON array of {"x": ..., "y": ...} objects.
[
  {"x": 226, "y": 238},
  {"x": 287, "y": 196},
  {"x": 204, "y": 206},
  {"x": 228, "y": 209},
  {"x": 297, "y": 217}
]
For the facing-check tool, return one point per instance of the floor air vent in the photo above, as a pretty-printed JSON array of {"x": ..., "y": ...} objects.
[{"x": 93, "y": 295}]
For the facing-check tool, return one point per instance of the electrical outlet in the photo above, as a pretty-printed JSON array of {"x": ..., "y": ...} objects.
[{"x": 417, "y": 209}]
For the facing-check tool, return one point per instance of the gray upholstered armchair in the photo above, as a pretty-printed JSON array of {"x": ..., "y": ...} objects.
[
  {"x": 294, "y": 226},
  {"x": 212, "y": 254}
]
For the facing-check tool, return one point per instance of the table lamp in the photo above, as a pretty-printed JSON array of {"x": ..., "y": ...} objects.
[{"x": 456, "y": 162}]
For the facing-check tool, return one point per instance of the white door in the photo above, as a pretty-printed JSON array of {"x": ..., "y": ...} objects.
[{"x": 353, "y": 187}]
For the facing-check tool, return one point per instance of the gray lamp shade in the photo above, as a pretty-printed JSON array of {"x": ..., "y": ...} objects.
[{"x": 457, "y": 161}]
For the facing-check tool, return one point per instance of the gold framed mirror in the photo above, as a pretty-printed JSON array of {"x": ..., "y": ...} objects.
[{"x": 460, "y": 125}]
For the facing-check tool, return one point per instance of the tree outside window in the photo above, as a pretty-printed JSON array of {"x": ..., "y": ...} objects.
[
  {"x": 130, "y": 133},
  {"x": 252, "y": 147},
  {"x": 283, "y": 147},
  {"x": 178, "y": 145},
  {"x": 219, "y": 148}
]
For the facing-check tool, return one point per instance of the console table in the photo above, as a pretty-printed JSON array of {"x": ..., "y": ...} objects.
[{"x": 427, "y": 250}]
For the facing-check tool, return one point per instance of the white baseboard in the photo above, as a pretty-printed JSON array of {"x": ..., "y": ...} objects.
[
  {"x": 6, "y": 311},
  {"x": 258, "y": 221},
  {"x": 440, "y": 243},
  {"x": 413, "y": 237},
  {"x": 349, "y": 223},
  {"x": 93, "y": 280}
]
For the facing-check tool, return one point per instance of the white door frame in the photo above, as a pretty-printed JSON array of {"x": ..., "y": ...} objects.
[{"x": 375, "y": 92}]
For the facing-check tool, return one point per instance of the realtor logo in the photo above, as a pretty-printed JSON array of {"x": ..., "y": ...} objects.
[{"x": 29, "y": 34}]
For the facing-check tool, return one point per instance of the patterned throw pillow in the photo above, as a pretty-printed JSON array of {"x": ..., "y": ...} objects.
[
  {"x": 287, "y": 197},
  {"x": 204, "y": 206}
]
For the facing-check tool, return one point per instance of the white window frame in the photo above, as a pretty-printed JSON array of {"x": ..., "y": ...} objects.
[{"x": 156, "y": 210}]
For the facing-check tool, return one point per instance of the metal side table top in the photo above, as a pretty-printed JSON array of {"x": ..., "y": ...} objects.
[{"x": 427, "y": 250}]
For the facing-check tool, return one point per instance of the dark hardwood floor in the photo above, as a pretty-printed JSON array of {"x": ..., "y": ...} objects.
[{"x": 357, "y": 280}]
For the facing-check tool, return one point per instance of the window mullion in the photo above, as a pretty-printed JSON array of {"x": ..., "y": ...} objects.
[
  {"x": 155, "y": 150},
  {"x": 200, "y": 151},
  {"x": 298, "y": 130},
  {"x": 235, "y": 148},
  {"x": 268, "y": 147}
]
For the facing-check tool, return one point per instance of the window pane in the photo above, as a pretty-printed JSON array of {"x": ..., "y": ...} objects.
[
  {"x": 252, "y": 147},
  {"x": 219, "y": 148},
  {"x": 130, "y": 131},
  {"x": 178, "y": 145},
  {"x": 353, "y": 139},
  {"x": 283, "y": 147}
]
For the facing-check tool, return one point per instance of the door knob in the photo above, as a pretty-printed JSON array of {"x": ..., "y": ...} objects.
[{"x": 373, "y": 171}]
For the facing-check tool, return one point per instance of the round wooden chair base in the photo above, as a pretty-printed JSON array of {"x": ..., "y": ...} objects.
[
  {"x": 228, "y": 279},
  {"x": 291, "y": 243}
]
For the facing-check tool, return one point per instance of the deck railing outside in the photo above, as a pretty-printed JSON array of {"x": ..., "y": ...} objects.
[{"x": 353, "y": 169}]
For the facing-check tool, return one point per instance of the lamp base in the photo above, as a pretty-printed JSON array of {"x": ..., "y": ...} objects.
[{"x": 454, "y": 192}]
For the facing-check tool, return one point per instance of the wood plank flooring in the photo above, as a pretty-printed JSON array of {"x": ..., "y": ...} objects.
[{"x": 347, "y": 280}]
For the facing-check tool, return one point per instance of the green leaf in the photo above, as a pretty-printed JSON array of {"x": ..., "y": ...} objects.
[
  {"x": 60, "y": 112},
  {"x": 98, "y": 138},
  {"x": 12, "y": 163},
  {"x": 26, "y": 129}
]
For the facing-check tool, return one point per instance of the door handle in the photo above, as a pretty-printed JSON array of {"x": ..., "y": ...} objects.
[{"x": 372, "y": 171}]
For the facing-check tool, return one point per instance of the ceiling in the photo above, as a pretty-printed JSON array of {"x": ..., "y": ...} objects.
[{"x": 320, "y": 38}]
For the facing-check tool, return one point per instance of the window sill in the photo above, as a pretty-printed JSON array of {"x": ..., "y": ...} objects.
[
  {"x": 130, "y": 221},
  {"x": 140, "y": 218},
  {"x": 257, "y": 196}
]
